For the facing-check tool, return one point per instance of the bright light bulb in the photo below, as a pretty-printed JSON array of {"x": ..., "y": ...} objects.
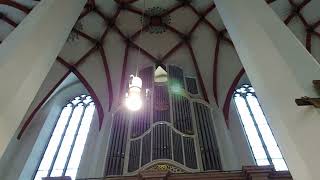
[
  {"x": 133, "y": 98},
  {"x": 134, "y": 102}
]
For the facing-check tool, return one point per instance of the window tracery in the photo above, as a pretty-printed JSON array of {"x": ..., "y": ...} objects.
[
  {"x": 65, "y": 147},
  {"x": 262, "y": 142}
]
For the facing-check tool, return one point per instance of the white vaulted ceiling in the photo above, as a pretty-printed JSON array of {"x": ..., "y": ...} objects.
[{"x": 101, "y": 46}]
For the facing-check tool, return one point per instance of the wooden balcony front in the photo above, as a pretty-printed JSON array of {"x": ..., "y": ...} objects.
[{"x": 247, "y": 173}]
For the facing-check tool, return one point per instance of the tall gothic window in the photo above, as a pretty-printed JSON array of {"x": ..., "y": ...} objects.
[
  {"x": 260, "y": 137},
  {"x": 65, "y": 147}
]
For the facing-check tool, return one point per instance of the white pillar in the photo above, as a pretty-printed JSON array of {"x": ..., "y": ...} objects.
[
  {"x": 26, "y": 56},
  {"x": 280, "y": 69}
]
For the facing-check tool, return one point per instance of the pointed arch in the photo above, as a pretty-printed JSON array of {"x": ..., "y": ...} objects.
[
  {"x": 226, "y": 105},
  {"x": 48, "y": 95},
  {"x": 42, "y": 102}
]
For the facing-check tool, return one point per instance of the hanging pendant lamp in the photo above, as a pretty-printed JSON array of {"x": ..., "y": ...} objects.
[{"x": 133, "y": 96}]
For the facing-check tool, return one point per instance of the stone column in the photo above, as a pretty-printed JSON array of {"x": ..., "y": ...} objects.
[
  {"x": 26, "y": 56},
  {"x": 280, "y": 69}
]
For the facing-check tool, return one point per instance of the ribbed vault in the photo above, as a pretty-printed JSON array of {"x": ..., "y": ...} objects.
[{"x": 113, "y": 34}]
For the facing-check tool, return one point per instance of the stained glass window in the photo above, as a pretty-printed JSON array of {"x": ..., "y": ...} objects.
[
  {"x": 63, "y": 153},
  {"x": 263, "y": 144}
]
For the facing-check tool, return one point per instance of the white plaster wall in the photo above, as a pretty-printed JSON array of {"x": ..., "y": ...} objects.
[
  {"x": 228, "y": 68},
  {"x": 34, "y": 142},
  {"x": 93, "y": 158},
  {"x": 28, "y": 68},
  {"x": 229, "y": 157},
  {"x": 21, "y": 157},
  {"x": 203, "y": 43},
  {"x": 56, "y": 72},
  {"x": 17, "y": 153},
  {"x": 239, "y": 138}
]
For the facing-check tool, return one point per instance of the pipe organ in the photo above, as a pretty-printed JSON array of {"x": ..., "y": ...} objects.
[{"x": 175, "y": 127}]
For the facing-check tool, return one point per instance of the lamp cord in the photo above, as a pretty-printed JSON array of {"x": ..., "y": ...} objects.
[{"x": 142, "y": 25}]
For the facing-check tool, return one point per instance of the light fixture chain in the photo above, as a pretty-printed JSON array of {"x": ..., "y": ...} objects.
[{"x": 139, "y": 49}]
